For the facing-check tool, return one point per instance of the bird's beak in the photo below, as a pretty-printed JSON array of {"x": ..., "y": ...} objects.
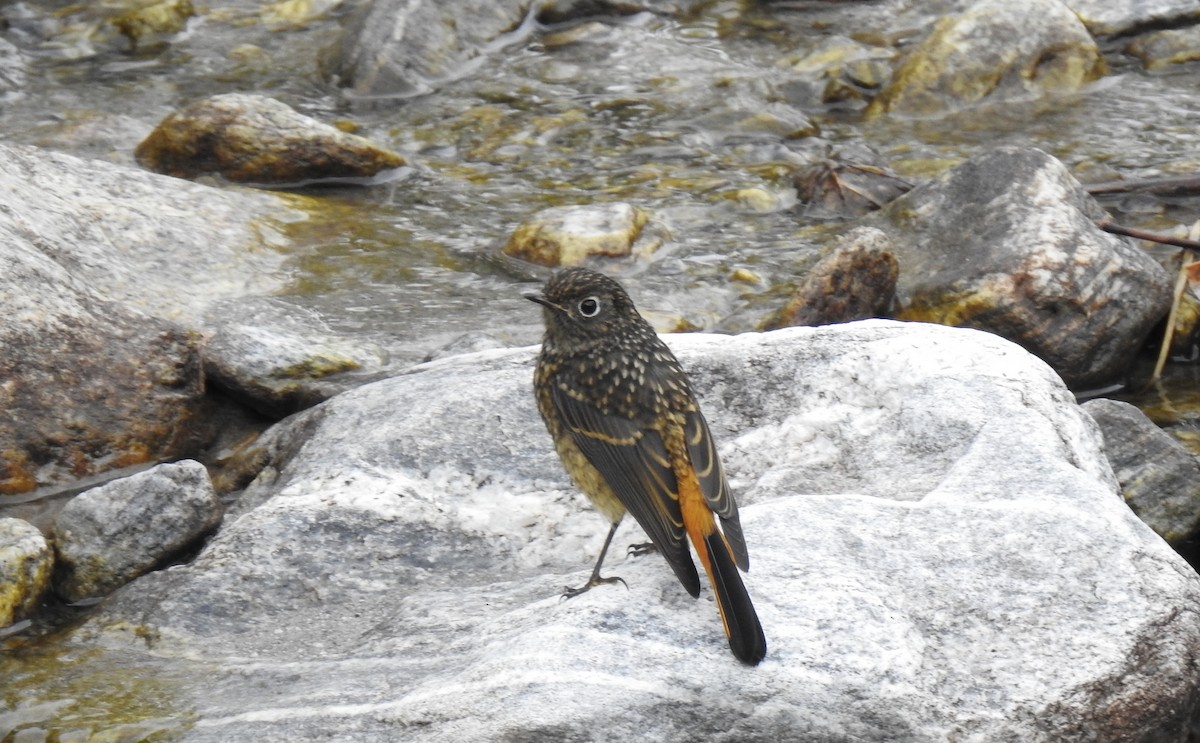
[{"x": 541, "y": 299}]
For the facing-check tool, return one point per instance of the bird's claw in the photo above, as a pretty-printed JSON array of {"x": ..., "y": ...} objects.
[
  {"x": 595, "y": 580},
  {"x": 639, "y": 550}
]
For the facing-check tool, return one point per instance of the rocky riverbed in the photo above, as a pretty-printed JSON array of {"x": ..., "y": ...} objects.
[{"x": 945, "y": 544}]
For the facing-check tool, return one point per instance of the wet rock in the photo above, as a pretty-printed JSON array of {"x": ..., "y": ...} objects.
[
  {"x": 253, "y": 139},
  {"x": 569, "y": 235},
  {"x": 1120, "y": 17},
  {"x": 88, "y": 384},
  {"x": 840, "y": 70},
  {"x": 991, "y": 52},
  {"x": 733, "y": 120},
  {"x": 407, "y": 47},
  {"x": 856, "y": 281},
  {"x": 1006, "y": 242},
  {"x": 145, "y": 22},
  {"x": 84, "y": 30},
  {"x": 107, "y": 536},
  {"x": 26, "y": 564},
  {"x": 276, "y": 359},
  {"x": 561, "y": 11},
  {"x": 1159, "y": 478},
  {"x": 95, "y": 256},
  {"x": 1165, "y": 48},
  {"x": 850, "y": 182},
  {"x": 761, "y": 200},
  {"x": 182, "y": 247},
  {"x": 962, "y": 536}
]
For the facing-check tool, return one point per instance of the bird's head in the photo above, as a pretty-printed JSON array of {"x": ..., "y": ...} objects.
[{"x": 579, "y": 304}]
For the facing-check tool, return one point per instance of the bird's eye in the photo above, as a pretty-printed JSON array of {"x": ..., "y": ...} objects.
[{"x": 589, "y": 306}]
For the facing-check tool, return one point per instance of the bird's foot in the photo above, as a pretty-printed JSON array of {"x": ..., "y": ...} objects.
[
  {"x": 595, "y": 580},
  {"x": 639, "y": 550}
]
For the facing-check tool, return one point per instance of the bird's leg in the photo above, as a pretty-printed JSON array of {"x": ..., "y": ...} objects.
[
  {"x": 595, "y": 580},
  {"x": 639, "y": 550}
]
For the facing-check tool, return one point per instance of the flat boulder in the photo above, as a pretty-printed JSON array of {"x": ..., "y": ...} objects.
[{"x": 938, "y": 549}]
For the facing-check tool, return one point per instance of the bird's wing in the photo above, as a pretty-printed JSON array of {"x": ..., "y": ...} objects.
[
  {"x": 633, "y": 460},
  {"x": 714, "y": 485}
]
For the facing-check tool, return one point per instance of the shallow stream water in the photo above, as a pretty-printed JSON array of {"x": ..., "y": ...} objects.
[
  {"x": 649, "y": 110},
  {"x": 655, "y": 111}
]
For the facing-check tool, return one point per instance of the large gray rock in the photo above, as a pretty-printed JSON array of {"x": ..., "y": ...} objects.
[
  {"x": 938, "y": 550},
  {"x": 1159, "y": 478},
  {"x": 107, "y": 271},
  {"x": 107, "y": 536},
  {"x": 26, "y": 563},
  {"x": 156, "y": 244},
  {"x": 1006, "y": 242}
]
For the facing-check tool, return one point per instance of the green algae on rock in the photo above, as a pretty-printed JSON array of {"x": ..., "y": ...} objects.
[{"x": 991, "y": 52}]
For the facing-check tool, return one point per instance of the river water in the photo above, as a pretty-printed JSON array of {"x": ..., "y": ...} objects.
[{"x": 656, "y": 111}]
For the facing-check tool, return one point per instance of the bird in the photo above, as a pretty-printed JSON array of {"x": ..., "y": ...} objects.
[{"x": 631, "y": 435}]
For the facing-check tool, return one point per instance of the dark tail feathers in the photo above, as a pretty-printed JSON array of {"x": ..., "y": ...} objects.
[{"x": 742, "y": 627}]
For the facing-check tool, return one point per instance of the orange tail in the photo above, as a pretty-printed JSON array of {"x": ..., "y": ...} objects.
[{"x": 742, "y": 627}]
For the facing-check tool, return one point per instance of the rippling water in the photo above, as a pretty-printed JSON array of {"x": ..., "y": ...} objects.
[{"x": 655, "y": 111}]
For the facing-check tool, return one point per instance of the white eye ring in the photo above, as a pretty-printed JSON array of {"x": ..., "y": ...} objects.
[{"x": 589, "y": 306}]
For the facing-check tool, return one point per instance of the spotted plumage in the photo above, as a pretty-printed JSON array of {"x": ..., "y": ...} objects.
[{"x": 629, "y": 432}]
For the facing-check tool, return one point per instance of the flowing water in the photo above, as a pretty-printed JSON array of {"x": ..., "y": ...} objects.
[
  {"x": 663, "y": 113},
  {"x": 655, "y": 111}
]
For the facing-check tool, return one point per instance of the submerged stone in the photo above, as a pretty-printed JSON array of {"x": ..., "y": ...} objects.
[{"x": 568, "y": 235}]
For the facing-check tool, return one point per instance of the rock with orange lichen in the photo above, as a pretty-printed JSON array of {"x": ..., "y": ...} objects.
[
  {"x": 88, "y": 385},
  {"x": 855, "y": 281},
  {"x": 253, "y": 139},
  {"x": 106, "y": 273}
]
